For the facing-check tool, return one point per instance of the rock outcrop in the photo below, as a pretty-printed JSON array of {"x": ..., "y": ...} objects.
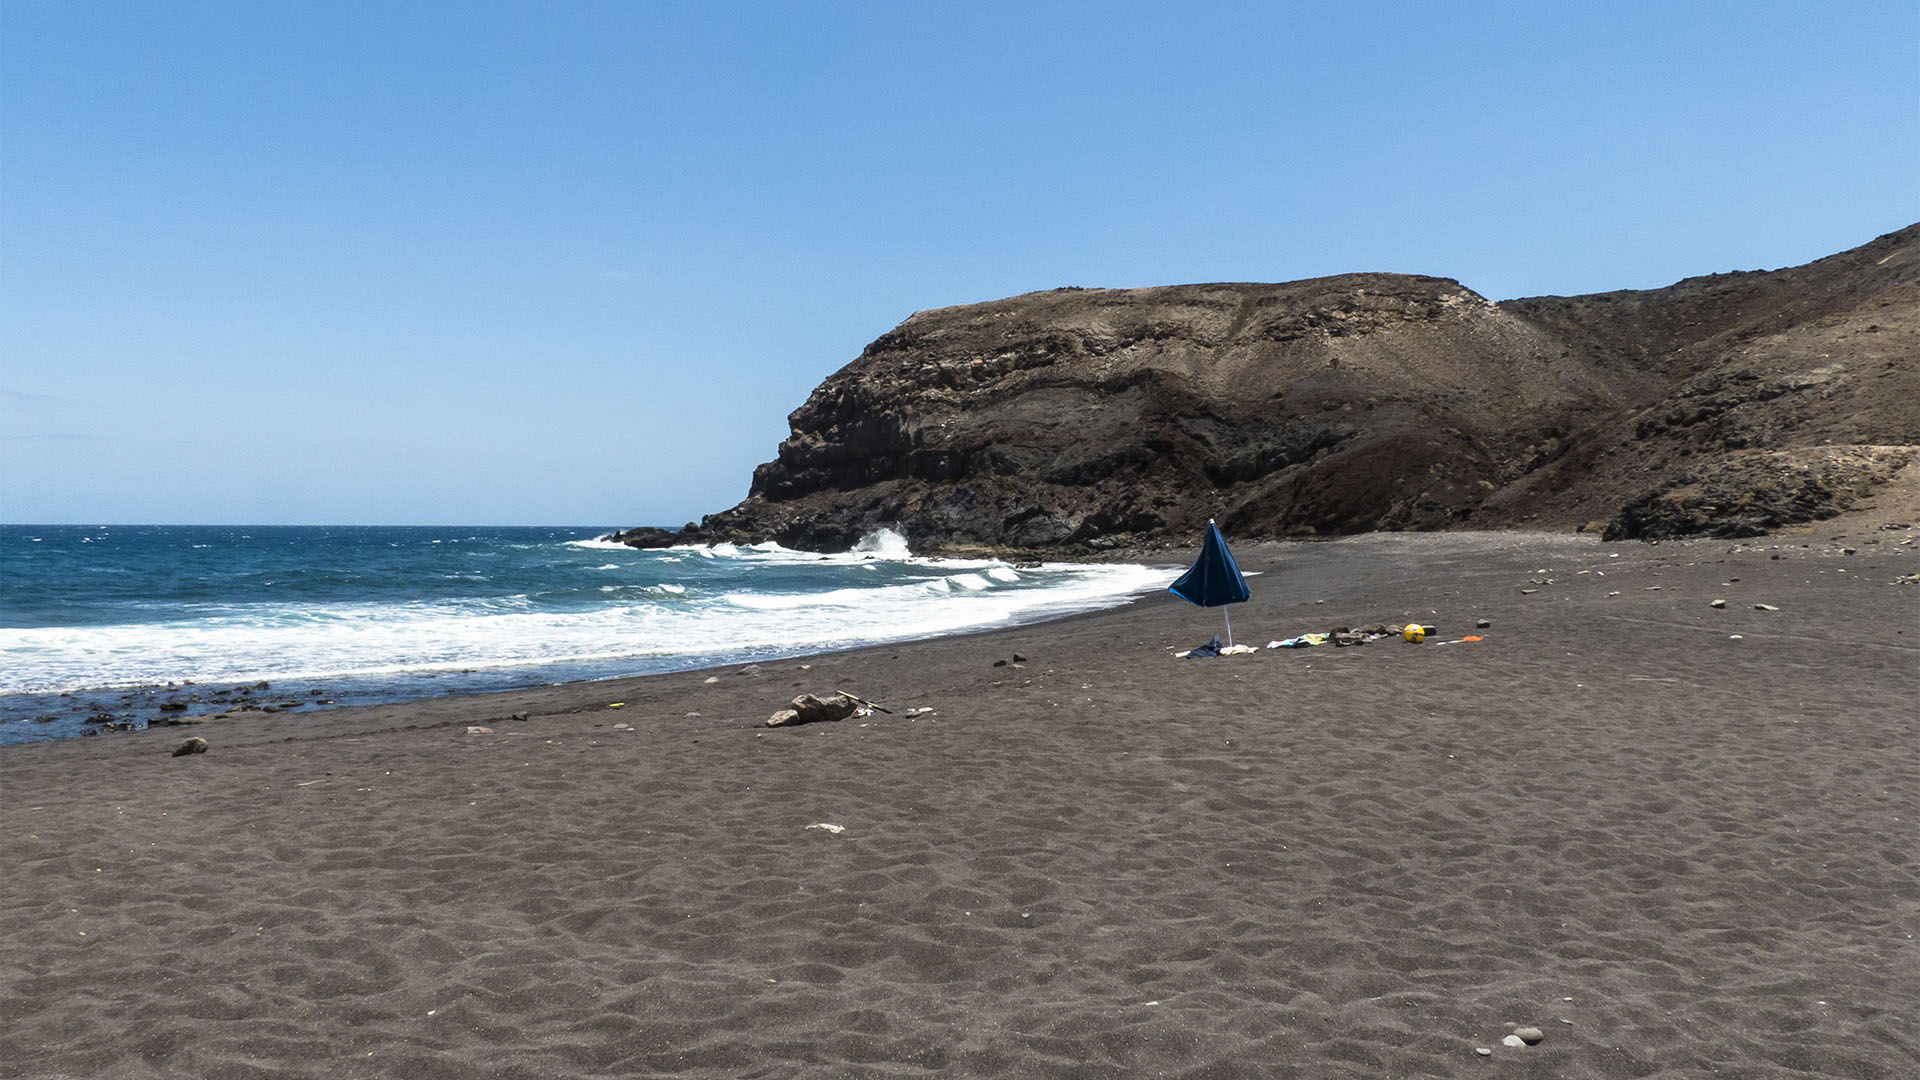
[{"x": 1081, "y": 420}]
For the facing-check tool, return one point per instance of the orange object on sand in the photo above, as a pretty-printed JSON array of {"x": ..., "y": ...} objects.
[{"x": 1473, "y": 637}]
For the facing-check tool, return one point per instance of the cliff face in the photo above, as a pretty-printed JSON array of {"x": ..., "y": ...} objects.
[{"x": 1081, "y": 420}]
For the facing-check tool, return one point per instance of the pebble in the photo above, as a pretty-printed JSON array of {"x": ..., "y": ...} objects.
[
  {"x": 1513, "y": 1040},
  {"x": 1765, "y": 607},
  {"x": 1529, "y": 1035},
  {"x": 195, "y": 745},
  {"x": 1718, "y": 603},
  {"x": 1483, "y": 1051},
  {"x": 1482, "y": 624},
  {"x": 478, "y": 730}
]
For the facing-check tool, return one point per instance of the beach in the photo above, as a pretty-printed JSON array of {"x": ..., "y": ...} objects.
[{"x": 1679, "y": 840}]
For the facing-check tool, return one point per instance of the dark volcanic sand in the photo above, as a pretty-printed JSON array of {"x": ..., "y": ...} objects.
[{"x": 1676, "y": 853}]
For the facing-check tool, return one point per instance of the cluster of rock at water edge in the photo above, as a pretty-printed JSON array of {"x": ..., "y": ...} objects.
[{"x": 173, "y": 705}]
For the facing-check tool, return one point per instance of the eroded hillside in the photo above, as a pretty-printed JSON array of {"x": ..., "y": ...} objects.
[{"x": 1081, "y": 420}]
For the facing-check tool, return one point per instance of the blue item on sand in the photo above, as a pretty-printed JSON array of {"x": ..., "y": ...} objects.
[
  {"x": 1215, "y": 579},
  {"x": 1201, "y": 652}
]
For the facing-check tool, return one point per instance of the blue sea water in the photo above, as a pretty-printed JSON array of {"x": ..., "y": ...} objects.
[{"x": 100, "y": 625}]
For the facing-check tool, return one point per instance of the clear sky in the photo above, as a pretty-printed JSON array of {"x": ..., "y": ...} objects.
[{"x": 574, "y": 262}]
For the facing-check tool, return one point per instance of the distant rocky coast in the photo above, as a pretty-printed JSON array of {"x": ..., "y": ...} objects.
[{"x": 1089, "y": 421}]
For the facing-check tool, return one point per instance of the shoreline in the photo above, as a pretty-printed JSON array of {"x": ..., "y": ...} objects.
[
  {"x": 1671, "y": 849},
  {"x": 1268, "y": 559},
  {"x": 188, "y": 724}
]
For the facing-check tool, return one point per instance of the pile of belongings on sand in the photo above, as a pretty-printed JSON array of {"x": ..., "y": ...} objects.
[
  {"x": 1214, "y": 648},
  {"x": 1342, "y": 636},
  {"x": 1339, "y": 636},
  {"x": 1412, "y": 633}
]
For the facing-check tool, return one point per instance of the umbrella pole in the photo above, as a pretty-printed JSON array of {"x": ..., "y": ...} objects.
[{"x": 1225, "y": 615}]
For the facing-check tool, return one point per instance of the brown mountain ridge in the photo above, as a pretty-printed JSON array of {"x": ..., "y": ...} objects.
[{"x": 1077, "y": 421}]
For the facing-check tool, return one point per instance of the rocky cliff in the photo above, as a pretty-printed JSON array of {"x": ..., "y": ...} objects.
[{"x": 1082, "y": 420}]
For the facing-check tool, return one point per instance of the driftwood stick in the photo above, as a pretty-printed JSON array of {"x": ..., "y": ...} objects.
[{"x": 871, "y": 705}]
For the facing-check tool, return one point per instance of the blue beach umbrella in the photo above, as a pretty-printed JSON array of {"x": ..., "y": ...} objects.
[{"x": 1215, "y": 579}]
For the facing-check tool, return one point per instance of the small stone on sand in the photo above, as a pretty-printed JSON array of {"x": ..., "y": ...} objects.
[
  {"x": 1513, "y": 1040},
  {"x": 478, "y": 730},
  {"x": 1529, "y": 1035},
  {"x": 195, "y": 745}
]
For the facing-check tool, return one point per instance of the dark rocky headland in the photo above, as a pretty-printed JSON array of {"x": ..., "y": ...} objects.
[{"x": 1081, "y": 421}]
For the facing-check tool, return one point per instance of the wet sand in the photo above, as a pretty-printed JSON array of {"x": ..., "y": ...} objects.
[{"x": 1676, "y": 852}]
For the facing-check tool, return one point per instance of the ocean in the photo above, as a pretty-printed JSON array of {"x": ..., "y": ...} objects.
[{"x": 108, "y": 628}]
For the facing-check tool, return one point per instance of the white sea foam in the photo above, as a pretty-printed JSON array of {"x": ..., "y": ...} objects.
[
  {"x": 600, "y": 542},
  {"x": 884, "y": 543}
]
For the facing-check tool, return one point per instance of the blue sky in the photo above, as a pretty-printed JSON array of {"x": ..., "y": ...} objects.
[{"x": 573, "y": 263}]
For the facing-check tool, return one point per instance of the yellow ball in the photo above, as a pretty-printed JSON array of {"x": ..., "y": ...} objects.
[{"x": 1414, "y": 633}]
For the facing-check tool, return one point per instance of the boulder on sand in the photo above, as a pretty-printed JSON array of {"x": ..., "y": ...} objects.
[{"x": 807, "y": 709}]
